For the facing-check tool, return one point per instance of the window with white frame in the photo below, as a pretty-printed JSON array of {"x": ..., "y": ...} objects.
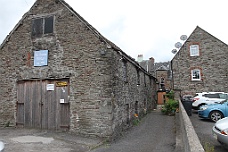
[
  {"x": 194, "y": 50},
  {"x": 196, "y": 74}
]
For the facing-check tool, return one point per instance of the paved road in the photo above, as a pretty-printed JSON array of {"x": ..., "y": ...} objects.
[
  {"x": 203, "y": 129},
  {"x": 32, "y": 140},
  {"x": 155, "y": 133}
]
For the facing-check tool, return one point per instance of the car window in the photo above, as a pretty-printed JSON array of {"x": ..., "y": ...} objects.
[
  {"x": 223, "y": 96},
  {"x": 196, "y": 95},
  {"x": 212, "y": 95}
]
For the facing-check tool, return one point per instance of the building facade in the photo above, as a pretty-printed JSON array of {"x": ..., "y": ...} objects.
[
  {"x": 60, "y": 73},
  {"x": 201, "y": 64}
]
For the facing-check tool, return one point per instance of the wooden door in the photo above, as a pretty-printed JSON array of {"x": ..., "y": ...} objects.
[{"x": 43, "y": 104}]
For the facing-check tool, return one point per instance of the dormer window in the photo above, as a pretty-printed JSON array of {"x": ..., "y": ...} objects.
[{"x": 42, "y": 26}]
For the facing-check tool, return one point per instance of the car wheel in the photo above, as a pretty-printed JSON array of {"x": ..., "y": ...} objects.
[{"x": 216, "y": 115}]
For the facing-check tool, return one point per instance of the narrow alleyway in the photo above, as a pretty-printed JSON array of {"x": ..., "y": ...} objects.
[{"x": 155, "y": 133}]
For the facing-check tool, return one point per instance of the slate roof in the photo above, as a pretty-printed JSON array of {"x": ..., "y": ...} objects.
[{"x": 162, "y": 66}]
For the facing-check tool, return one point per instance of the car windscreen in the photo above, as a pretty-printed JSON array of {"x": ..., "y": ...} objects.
[{"x": 224, "y": 101}]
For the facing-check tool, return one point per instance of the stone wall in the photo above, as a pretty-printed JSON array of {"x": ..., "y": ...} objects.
[
  {"x": 99, "y": 96},
  {"x": 212, "y": 61},
  {"x": 137, "y": 95}
]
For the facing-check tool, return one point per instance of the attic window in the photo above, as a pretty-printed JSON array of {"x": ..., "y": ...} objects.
[
  {"x": 41, "y": 26},
  {"x": 194, "y": 50}
]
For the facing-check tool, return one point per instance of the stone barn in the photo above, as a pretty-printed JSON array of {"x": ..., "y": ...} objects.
[{"x": 57, "y": 72}]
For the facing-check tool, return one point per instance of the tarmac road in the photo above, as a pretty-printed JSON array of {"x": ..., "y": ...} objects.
[
  {"x": 203, "y": 128},
  {"x": 32, "y": 140},
  {"x": 155, "y": 133}
]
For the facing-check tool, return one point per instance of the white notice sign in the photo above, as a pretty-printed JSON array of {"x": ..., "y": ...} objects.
[
  {"x": 61, "y": 100},
  {"x": 50, "y": 87},
  {"x": 41, "y": 58}
]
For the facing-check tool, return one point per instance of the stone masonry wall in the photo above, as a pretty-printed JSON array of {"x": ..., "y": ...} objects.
[
  {"x": 132, "y": 96},
  {"x": 213, "y": 61},
  {"x": 97, "y": 96}
]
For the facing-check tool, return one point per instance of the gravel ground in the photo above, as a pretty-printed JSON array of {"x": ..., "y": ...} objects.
[{"x": 155, "y": 133}]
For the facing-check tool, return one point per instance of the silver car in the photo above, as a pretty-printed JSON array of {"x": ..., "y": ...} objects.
[
  {"x": 1, "y": 146},
  {"x": 220, "y": 131}
]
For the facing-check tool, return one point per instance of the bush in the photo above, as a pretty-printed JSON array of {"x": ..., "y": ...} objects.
[
  {"x": 170, "y": 95},
  {"x": 170, "y": 107}
]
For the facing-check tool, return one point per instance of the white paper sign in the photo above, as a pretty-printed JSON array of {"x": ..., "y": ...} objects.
[
  {"x": 50, "y": 87},
  {"x": 62, "y": 101},
  {"x": 41, "y": 58}
]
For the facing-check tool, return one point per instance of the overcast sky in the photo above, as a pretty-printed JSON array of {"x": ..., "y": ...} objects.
[{"x": 148, "y": 27}]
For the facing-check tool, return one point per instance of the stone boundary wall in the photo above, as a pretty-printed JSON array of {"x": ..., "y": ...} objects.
[{"x": 188, "y": 140}]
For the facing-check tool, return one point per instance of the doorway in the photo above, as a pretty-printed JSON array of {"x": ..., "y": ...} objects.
[{"x": 43, "y": 104}]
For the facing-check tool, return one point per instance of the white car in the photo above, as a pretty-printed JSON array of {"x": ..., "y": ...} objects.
[
  {"x": 205, "y": 98},
  {"x": 220, "y": 131},
  {"x": 1, "y": 146}
]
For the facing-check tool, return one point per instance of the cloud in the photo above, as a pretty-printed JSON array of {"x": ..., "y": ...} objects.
[{"x": 148, "y": 27}]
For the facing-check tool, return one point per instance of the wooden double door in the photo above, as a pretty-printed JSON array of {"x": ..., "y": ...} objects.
[{"x": 43, "y": 104}]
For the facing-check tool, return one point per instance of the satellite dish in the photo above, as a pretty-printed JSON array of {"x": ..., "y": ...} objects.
[
  {"x": 183, "y": 37},
  {"x": 178, "y": 45},
  {"x": 174, "y": 51}
]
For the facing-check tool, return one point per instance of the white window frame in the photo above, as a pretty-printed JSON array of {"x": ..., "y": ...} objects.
[
  {"x": 194, "y": 50},
  {"x": 196, "y": 74}
]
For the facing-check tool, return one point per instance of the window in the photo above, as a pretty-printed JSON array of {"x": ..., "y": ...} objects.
[
  {"x": 194, "y": 50},
  {"x": 196, "y": 74},
  {"x": 124, "y": 68},
  {"x": 216, "y": 95},
  {"x": 136, "y": 107},
  {"x": 127, "y": 110},
  {"x": 42, "y": 26},
  {"x": 162, "y": 83},
  {"x": 145, "y": 79},
  {"x": 138, "y": 78}
]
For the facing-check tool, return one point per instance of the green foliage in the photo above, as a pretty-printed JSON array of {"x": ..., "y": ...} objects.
[
  {"x": 136, "y": 122},
  {"x": 170, "y": 107},
  {"x": 208, "y": 147},
  {"x": 170, "y": 95}
]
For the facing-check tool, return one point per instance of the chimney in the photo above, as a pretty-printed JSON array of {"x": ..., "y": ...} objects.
[
  {"x": 140, "y": 58},
  {"x": 151, "y": 69}
]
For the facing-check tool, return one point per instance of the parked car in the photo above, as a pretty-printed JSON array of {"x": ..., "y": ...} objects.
[
  {"x": 187, "y": 98},
  {"x": 187, "y": 103},
  {"x": 214, "y": 112},
  {"x": 1, "y": 146},
  {"x": 220, "y": 131},
  {"x": 208, "y": 98}
]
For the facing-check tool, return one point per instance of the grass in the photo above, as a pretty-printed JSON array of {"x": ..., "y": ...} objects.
[{"x": 208, "y": 147}]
